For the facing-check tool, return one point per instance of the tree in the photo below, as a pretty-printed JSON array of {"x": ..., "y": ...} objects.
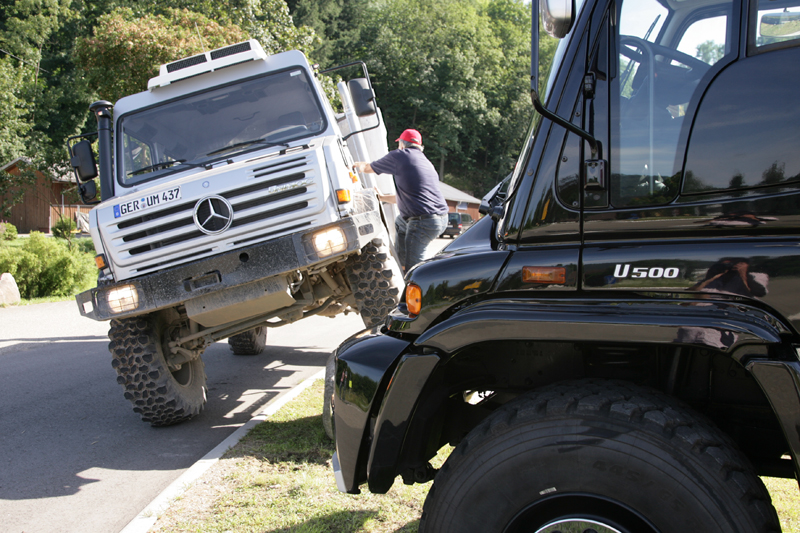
[
  {"x": 13, "y": 111},
  {"x": 127, "y": 49},
  {"x": 337, "y": 25},
  {"x": 710, "y": 52},
  {"x": 458, "y": 72},
  {"x": 25, "y": 27}
]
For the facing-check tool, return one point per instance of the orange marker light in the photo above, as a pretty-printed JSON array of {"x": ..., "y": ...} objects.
[
  {"x": 100, "y": 261},
  {"x": 343, "y": 195},
  {"x": 549, "y": 275},
  {"x": 413, "y": 299}
]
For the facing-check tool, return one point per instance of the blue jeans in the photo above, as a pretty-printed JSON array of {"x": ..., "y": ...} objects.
[{"x": 414, "y": 236}]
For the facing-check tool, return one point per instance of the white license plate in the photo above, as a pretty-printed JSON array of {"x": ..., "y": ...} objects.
[{"x": 147, "y": 201}]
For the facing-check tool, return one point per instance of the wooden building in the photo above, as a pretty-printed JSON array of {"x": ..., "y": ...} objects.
[
  {"x": 460, "y": 202},
  {"x": 42, "y": 202}
]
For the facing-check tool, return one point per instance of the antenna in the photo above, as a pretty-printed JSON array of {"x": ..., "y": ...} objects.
[{"x": 203, "y": 44}]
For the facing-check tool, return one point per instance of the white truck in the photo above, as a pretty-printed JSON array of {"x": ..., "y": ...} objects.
[{"x": 229, "y": 205}]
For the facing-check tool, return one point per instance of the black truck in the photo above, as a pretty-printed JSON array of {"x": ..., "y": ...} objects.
[{"x": 615, "y": 347}]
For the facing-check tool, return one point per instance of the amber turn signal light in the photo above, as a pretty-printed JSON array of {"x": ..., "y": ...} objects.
[
  {"x": 549, "y": 275},
  {"x": 343, "y": 195},
  {"x": 100, "y": 261},
  {"x": 413, "y": 299}
]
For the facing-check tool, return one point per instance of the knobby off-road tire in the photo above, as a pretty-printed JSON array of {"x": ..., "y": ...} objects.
[
  {"x": 161, "y": 397},
  {"x": 609, "y": 455},
  {"x": 375, "y": 279},
  {"x": 251, "y": 342}
]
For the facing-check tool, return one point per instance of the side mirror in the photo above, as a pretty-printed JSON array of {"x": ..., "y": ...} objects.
[
  {"x": 557, "y": 17},
  {"x": 363, "y": 97},
  {"x": 88, "y": 191},
  {"x": 83, "y": 162}
]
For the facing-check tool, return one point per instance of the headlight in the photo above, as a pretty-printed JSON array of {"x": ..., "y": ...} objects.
[
  {"x": 329, "y": 242},
  {"x": 121, "y": 299}
]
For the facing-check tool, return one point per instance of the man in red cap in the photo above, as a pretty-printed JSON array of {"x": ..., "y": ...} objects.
[{"x": 423, "y": 209}]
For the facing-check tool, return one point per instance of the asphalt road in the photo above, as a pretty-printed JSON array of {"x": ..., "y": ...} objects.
[{"x": 74, "y": 457}]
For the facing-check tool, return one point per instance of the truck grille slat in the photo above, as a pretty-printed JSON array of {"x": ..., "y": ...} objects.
[{"x": 281, "y": 191}]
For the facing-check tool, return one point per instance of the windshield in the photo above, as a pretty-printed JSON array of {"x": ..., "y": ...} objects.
[{"x": 219, "y": 123}]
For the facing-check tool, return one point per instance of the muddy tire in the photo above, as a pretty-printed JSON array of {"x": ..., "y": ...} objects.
[
  {"x": 601, "y": 456},
  {"x": 375, "y": 279},
  {"x": 327, "y": 396},
  {"x": 162, "y": 397},
  {"x": 251, "y": 342}
]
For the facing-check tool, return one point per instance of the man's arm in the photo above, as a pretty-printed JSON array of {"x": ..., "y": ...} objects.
[
  {"x": 364, "y": 167},
  {"x": 389, "y": 198}
]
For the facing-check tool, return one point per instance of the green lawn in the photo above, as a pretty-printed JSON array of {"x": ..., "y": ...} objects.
[{"x": 279, "y": 479}]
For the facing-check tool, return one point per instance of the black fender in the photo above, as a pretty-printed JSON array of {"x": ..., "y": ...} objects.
[
  {"x": 780, "y": 381},
  {"x": 718, "y": 325},
  {"x": 364, "y": 365}
]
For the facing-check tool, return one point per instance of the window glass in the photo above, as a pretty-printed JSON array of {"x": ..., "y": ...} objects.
[
  {"x": 705, "y": 39},
  {"x": 747, "y": 129},
  {"x": 663, "y": 55},
  {"x": 138, "y": 155},
  {"x": 777, "y": 22},
  {"x": 218, "y": 123}
]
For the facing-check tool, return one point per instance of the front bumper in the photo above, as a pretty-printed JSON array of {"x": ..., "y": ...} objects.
[
  {"x": 378, "y": 380},
  {"x": 177, "y": 285}
]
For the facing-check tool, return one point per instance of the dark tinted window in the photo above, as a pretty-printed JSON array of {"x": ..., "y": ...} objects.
[
  {"x": 747, "y": 130},
  {"x": 665, "y": 52}
]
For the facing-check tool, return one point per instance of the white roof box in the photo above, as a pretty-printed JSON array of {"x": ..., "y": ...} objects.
[{"x": 207, "y": 62}]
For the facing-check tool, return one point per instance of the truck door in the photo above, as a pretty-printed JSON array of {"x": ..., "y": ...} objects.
[{"x": 704, "y": 172}]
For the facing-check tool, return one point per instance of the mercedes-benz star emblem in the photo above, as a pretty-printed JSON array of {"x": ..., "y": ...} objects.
[{"x": 213, "y": 214}]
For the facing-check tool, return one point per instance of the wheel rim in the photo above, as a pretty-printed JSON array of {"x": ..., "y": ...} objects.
[
  {"x": 577, "y": 525},
  {"x": 184, "y": 374},
  {"x": 578, "y": 513}
]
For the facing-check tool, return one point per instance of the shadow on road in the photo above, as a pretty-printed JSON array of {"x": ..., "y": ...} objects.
[{"x": 64, "y": 420}]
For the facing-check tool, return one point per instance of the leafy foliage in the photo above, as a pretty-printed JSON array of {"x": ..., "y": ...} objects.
[
  {"x": 8, "y": 231},
  {"x": 127, "y": 49},
  {"x": 47, "y": 267},
  {"x": 457, "y": 71},
  {"x": 63, "y": 229}
]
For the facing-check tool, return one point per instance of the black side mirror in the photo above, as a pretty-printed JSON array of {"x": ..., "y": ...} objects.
[
  {"x": 88, "y": 191},
  {"x": 83, "y": 162},
  {"x": 363, "y": 97}
]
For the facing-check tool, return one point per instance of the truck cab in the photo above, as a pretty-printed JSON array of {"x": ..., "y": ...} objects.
[
  {"x": 616, "y": 347},
  {"x": 229, "y": 205}
]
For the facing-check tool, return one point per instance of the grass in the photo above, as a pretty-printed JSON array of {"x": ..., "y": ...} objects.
[{"x": 278, "y": 479}]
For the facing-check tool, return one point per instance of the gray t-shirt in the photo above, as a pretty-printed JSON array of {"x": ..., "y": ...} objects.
[{"x": 416, "y": 181}]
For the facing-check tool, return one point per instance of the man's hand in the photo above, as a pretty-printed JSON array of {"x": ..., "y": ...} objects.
[{"x": 363, "y": 167}]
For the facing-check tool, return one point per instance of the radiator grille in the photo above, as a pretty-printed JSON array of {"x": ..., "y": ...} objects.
[{"x": 274, "y": 199}]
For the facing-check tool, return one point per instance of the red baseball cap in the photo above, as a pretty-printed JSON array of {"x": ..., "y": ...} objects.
[{"x": 412, "y": 136}]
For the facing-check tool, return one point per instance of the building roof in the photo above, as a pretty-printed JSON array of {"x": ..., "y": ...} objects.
[
  {"x": 451, "y": 193},
  {"x": 55, "y": 174}
]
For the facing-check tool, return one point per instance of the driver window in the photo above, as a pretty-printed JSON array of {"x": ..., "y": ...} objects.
[
  {"x": 137, "y": 153},
  {"x": 663, "y": 53}
]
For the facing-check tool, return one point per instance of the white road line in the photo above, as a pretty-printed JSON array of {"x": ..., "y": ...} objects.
[{"x": 147, "y": 518}]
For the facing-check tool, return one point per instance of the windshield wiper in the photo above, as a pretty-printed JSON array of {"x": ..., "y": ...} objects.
[
  {"x": 265, "y": 142},
  {"x": 162, "y": 165}
]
